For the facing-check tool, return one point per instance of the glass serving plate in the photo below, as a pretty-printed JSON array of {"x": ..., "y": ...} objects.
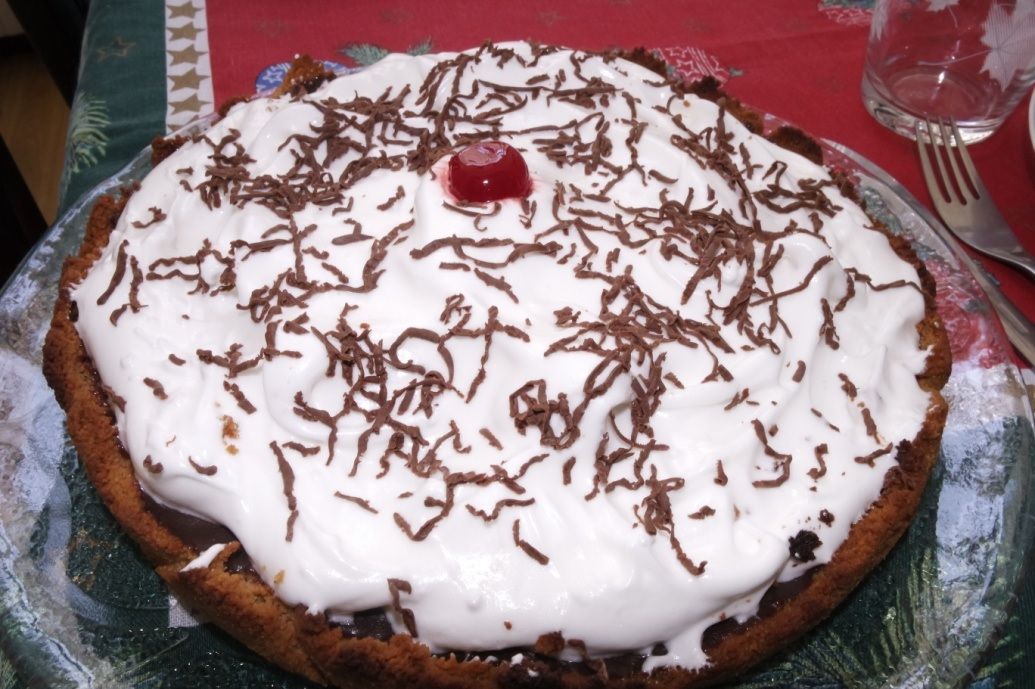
[{"x": 80, "y": 608}]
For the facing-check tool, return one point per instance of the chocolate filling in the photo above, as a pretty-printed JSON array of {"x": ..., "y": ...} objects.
[
  {"x": 199, "y": 534},
  {"x": 779, "y": 594}
]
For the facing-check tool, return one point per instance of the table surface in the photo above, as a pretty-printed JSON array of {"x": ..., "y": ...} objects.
[{"x": 148, "y": 69}]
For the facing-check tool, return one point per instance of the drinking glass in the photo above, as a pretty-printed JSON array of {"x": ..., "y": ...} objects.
[{"x": 972, "y": 60}]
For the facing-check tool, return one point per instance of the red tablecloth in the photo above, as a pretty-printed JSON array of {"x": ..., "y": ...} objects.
[{"x": 800, "y": 61}]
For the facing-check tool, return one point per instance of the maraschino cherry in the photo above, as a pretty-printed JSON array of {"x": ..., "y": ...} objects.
[{"x": 488, "y": 171}]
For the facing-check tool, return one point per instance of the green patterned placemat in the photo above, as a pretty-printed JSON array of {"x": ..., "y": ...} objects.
[{"x": 119, "y": 103}]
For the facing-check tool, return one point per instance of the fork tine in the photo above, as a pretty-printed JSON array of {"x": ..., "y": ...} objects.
[
  {"x": 922, "y": 150},
  {"x": 950, "y": 193},
  {"x": 957, "y": 177},
  {"x": 972, "y": 175}
]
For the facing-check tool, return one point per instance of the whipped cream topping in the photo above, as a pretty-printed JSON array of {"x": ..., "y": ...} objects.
[
  {"x": 620, "y": 409},
  {"x": 206, "y": 557}
]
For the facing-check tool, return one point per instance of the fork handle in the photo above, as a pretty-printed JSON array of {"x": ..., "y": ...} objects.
[
  {"x": 1021, "y": 260},
  {"x": 1019, "y": 330}
]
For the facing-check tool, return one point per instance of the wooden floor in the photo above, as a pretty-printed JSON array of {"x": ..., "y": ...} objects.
[{"x": 33, "y": 121}]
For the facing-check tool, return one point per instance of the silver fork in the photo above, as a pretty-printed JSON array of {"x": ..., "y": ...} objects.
[{"x": 962, "y": 199}]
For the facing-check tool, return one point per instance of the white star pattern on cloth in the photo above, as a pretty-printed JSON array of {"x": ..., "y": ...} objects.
[{"x": 188, "y": 69}]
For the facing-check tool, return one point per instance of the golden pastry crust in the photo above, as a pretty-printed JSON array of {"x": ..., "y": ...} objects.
[{"x": 247, "y": 608}]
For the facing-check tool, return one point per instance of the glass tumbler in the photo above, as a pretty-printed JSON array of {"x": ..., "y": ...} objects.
[{"x": 972, "y": 60}]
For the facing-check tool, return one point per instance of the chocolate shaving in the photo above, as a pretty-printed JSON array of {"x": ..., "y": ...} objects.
[
  {"x": 821, "y": 451},
  {"x": 156, "y": 216},
  {"x": 305, "y": 451},
  {"x": 526, "y": 547},
  {"x": 395, "y": 588},
  {"x": 783, "y": 461},
  {"x": 399, "y": 193},
  {"x": 346, "y": 239},
  {"x": 654, "y": 513},
  {"x": 189, "y": 269},
  {"x": 500, "y": 505},
  {"x": 156, "y": 388},
  {"x": 117, "y": 313},
  {"x": 848, "y": 386},
  {"x": 569, "y": 464},
  {"x": 817, "y": 266},
  {"x": 232, "y": 360},
  {"x": 287, "y": 476},
  {"x": 819, "y": 415},
  {"x": 358, "y": 501},
  {"x": 496, "y": 283},
  {"x": 871, "y": 427},
  {"x": 239, "y": 397},
  {"x": 702, "y": 513},
  {"x": 116, "y": 278},
  {"x": 720, "y": 474},
  {"x": 202, "y": 469},
  {"x": 827, "y": 330},
  {"x": 115, "y": 399},
  {"x": 662, "y": 178},
  {"x": 136, "y": 280},
  {"x": 152, "y": 466},
  {"x": 737, "y": 399},
  {"x": 493, "y": 441},
  {"x": 870, "y": 459},
  {"x": 880, "y": 287},
  {"x": 671, "y": 377}
]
